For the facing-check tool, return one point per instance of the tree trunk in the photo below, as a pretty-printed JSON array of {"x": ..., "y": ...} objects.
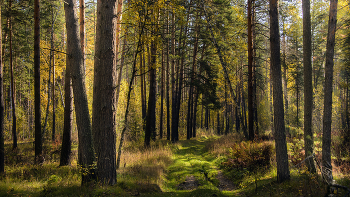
[
  {"x": 328, "y": 89},
  {"x": 150, "y": 131},
  {"x": 13, "y": 94},
  {"x": 53, "y": 96},
  {"x": 66, "y": 151},
  {"x": 82, "y": 30},
  {"x": 74, "y": 60},
  {"x": 2, "y": 149},
  {"x": 120, "y": 68},
  {"x": 104, "y": 99},
  {"x": 151, "y": 108},
  {"x": 167, "y": 83},
  {"x": 162, "y": 97},
  {"x": 280, "y": 136},
  {"x": 250, "y": 73},
  {"x": 218, "y": 123},
  {"x": 173, "y": 89},
  {"x": 37, "y": 96},
  {"x": 308, "y": 91}
]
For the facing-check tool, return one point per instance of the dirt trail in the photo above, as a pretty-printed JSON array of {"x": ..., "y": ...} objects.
[{"x": 194, "y": 168}]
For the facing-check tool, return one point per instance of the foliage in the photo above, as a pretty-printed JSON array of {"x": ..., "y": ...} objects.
[{"x": 250, "y": 156}]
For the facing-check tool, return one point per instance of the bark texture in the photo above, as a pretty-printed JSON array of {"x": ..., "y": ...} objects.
[
  {"x": 66, "y": 150},
  {"x": 250, "y": 73},
  {"x": 38, "y": 136},
  {"x": 74, "y": 58},
  {"x": 328, "y": 90},
  {"x": 2, "y": 150},
  {"x": 280, "y": 136},
  {"x": 308, "y": 91},
  {"x": 104, "y": 99}
]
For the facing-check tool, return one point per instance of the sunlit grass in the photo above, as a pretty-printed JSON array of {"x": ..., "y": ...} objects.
[{"x": 158, "y": 171}]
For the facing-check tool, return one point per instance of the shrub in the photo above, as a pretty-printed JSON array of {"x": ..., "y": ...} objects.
[{"x": 250, "y": 156}]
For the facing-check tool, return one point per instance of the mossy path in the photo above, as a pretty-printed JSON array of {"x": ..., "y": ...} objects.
[{"x": 195, "y": 169}]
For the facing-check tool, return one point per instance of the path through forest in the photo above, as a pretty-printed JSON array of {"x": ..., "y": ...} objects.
[{"x": 195, "y": 168}]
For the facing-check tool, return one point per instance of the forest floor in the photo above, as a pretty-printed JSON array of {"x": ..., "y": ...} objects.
[{"x": 187, "y": 168}]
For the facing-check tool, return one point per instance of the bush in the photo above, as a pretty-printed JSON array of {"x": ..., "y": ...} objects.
[{"x": 250, "y": 156}]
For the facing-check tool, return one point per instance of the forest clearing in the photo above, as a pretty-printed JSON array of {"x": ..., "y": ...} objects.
[{"x": 174, "y": 98}]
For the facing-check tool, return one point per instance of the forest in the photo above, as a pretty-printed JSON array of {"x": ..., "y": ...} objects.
[{"x": 174, "y": 98}]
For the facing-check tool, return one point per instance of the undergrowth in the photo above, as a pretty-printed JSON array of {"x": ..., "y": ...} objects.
[{"x": 161, "y": 169}]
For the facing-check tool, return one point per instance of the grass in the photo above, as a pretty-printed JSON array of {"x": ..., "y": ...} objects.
[{"x": 157, "y": 171}]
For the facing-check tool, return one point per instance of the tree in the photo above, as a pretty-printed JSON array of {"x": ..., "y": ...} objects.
[
  {"x": 38, "y": 135},
  {"x": 13, "y": 88},
  {"x": 2, "y": 150},
  {"x": 151, "y": 108},
  {"x": 104, "y": 98},
  {"x": 66, "y": 153},
  {"x": 250, "y": 72},
  {"x": 74, "y": 59},
  {"x": 280, "y": 136},
  {"x": 119, "y": 75},
  {"x": 308, "y": 91},
  {"x": 328, "y": 89}
]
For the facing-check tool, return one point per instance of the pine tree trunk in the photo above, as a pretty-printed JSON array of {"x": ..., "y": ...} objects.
[
  {"x": 173, "y": 89},
  {"x": 2, "y": 144},
  {"x": 167, "y": 83},
  {"x": 66, "y": 151},
  {"x": 74, "y": 59},
  {"x": 120, "y": 68},
  {"x": 328, "y": 89},
  {"x": 218, "y": 123},
  {"x": 250, "y": 73},
  {"x": 53, "y": 99},
  {"x": 37, "y": 96},
  {"x": 82, "y": 29},
  {"x": 104, "y": 99},
  {"x": 13, "y": 94},
  {"x": 162, "y": 97},
  {"x": 280, "y": 136},
  {"x": 308, "y": 91},
  {"x": 151, "y": 108}
]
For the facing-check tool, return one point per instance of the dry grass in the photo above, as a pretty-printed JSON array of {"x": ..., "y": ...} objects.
[
  {"x": 222, "y": 145},
  {"x": 145, "y": 165}
]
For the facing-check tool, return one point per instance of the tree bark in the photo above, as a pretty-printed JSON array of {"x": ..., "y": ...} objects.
[
  {"x": 13, "y": 94},
  {"x": 38, "y": 136},
  {"x": 2, "y": 149},
  {"x": 74, "y": 58},
  {"x": 66, "y": 151},
  {"x": 280, "y": 136},
  {"x": 82, "y": 29},
  {"x": 328, "y": 89},
  {"x": 117, "y": 43},
  {"x": 308, "y": 91},
  {"x": 151, "y": 108},
  {"x": 167, "y": 82},
  {"x": 104, "y": 99},
  {"x": 250, "y": 73},
  {"x": 53, "y": 96},
  {"x": 162, "y": 95}
]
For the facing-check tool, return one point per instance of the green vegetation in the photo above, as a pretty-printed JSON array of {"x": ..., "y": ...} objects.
[{"x": 187, "y": 168}]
